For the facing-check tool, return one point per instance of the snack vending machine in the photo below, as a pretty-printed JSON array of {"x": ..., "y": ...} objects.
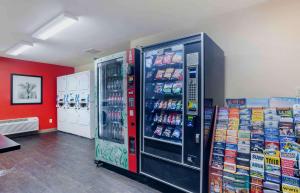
[
  {"x": 117, "y": 89},
  {"x": 177, "y": 78}
]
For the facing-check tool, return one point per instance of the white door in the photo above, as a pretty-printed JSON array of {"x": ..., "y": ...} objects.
[
  {"x": 84, "y": 81},
  {"x": 73, "y": 116},
  {"x": 62, "y": 119},
  {"x": 61, "y": 84},
  {"x": 84, "y": 117},
  {"x": 72, "y": 82}
]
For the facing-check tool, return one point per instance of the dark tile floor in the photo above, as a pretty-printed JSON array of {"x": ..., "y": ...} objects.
[{"x": 60, "y": 163}]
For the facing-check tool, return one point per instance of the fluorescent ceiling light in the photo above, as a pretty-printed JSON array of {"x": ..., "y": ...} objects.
[
  {"x": 19, "y": 48},
  {"x": 55, "y": 26}
]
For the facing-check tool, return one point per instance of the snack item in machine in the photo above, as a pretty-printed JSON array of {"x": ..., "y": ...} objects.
[
  {"x": 159, "y": 74},
  {"x": 157, "y": 104},
  {"x": 178, "y": 119},
  {"x": 161, "y": 117},
  {"x": 159, "y": 60},
  {"x": 174, "y": 105},
  {"x": 168, "y": 88},
  {"x": 170, "y": 119},
  {"x": 170, "y": 101},
  {"x": 150, "y": 74},
  {"x": 168, "y": 73},
  {"x": 165, "y": 105},
  {"x": 179, "y": 105},
  {"x": 176, "y": 133},
  {"x": 159, "y": 88},
  {"x": 177, "y": 88},
  {"x": 178, "y": 74},
  {"x": 149, "y": 61},
  {"x": 158, "y": 130},
  {"x": 168, "y": 57},
  {"x": 167, "y": 132},
  {"x": 165, "y": 118},
  {"x": 178, "y": 57},
  {"x": 161, "y": 103},
  {"x": 156, "y": 117}
]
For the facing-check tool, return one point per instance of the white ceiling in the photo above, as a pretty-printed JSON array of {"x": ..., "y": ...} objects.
[{"x": 103, "y": 24}]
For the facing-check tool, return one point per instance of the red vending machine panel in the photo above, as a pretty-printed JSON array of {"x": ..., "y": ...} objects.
[{"x": 132, "y": 107}]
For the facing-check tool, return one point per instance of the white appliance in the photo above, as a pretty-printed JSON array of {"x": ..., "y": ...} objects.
[
  {"x": 14, "y": 126},
  {"x": 75, "y": 97}
]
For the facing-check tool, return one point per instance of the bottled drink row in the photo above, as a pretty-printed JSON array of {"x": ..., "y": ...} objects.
[
  {"x": 113, "y": 131},
  {"x": 113, "y": 95},
  {"x": 115, "y": 115},
  {"x": 115, "y": 99},
  {"x": 114, "y": 70},
  {"x": 114, "y": 84}
]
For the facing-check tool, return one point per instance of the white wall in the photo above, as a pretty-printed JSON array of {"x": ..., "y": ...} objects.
[
  {"x": 85, "y": 67},
  {"x": 261, "y": 44},
  {"x": 109, "y": 51}
]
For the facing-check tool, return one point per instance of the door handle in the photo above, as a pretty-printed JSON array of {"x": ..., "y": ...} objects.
[{"x": 104, "y": 117}]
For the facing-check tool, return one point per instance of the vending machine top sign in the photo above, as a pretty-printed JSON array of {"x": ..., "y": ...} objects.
[
  {"x": 176, "y": 80},
  {"x": 117, "y": 109}
]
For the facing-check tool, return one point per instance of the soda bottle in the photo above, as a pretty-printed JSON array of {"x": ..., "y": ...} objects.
[
  {"x": 114, "y": 115},
  {"x": 114, "y": 131},
  {"x": 109, "y": 130},
  {"x": 120, "y": 84},
  {"x": 112, "y": 99},
  {"x": 108, "y": 100},
  {"x": 117, "y": 84},
  {"x": 108, "y": 116},
  {"x": 119, "y": 98},
  {"x": 121, "y": 133},
  {"x": 119, "y": 116},
  {"x": 104, "y": 132}
]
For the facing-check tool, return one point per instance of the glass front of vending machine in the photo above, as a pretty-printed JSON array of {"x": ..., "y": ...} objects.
[
  {"x": 112, "y": 116},
  {"x": 116, "y": 107}
]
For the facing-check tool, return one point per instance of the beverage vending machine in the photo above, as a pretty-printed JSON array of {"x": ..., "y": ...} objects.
[
  {"x": 178, "y": 77},
  {"x": 118, "y": 90}
]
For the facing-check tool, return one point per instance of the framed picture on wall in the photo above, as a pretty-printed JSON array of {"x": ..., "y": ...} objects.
[{"x": 26, "y": 89}]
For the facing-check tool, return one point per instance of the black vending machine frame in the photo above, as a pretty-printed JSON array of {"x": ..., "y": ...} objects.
[{"x": 187, "y": 174}]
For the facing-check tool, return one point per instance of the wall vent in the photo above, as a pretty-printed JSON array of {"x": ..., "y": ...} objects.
[{"x": 15, "y": 126}]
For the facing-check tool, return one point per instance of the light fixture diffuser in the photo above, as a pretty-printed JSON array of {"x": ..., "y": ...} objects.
[
  {"x": 55, "y": 26},
  {"x": 19, "y": 48}
]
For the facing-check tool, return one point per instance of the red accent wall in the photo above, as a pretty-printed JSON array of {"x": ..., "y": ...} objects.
[{"x": 43, "y": 111}]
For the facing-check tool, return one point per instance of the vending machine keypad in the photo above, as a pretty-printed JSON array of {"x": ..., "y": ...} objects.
[{"x": 192, "y": 90}]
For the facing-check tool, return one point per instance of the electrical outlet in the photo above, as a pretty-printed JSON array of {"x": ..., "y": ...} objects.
[{"x": 50, "y": 120}]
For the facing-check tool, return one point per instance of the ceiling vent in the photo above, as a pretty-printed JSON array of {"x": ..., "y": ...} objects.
[{"x": 93, "y": 51}]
